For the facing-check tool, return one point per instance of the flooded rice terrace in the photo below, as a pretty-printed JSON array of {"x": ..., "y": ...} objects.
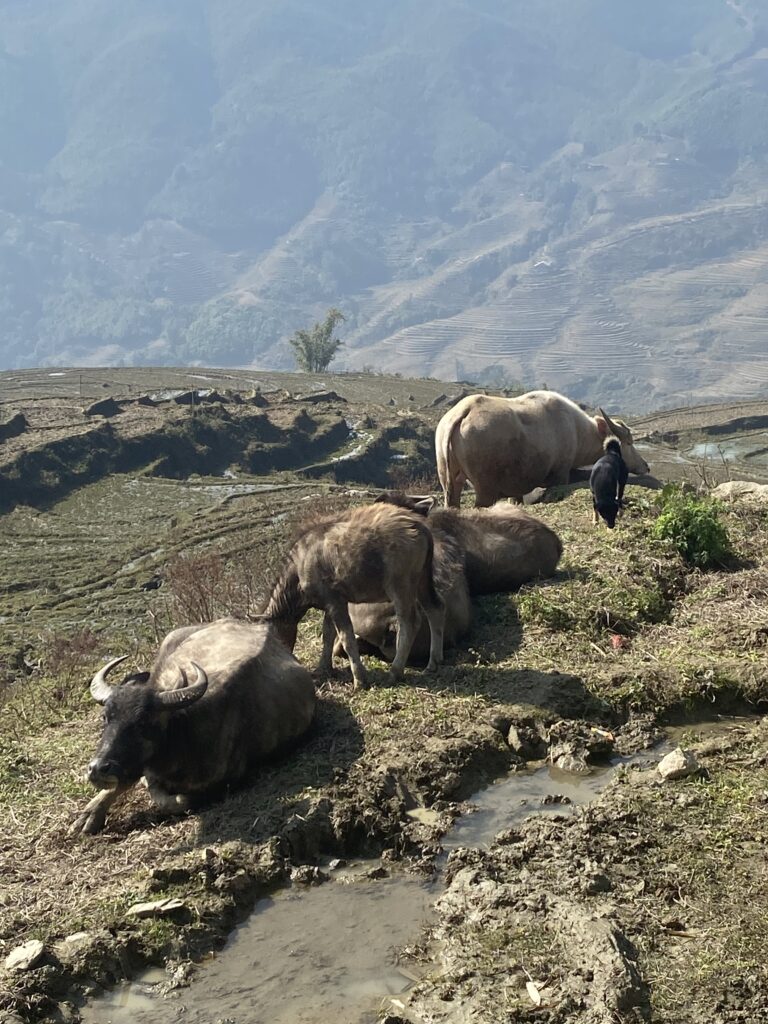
[{"x": 311, "y": 955}]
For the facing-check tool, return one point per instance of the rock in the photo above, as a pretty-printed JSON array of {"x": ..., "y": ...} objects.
[
  {"x": 76, "y": 941},
  {"x": 16, "y": 425},
  {"x": 570, "y": 762},
  {"x": 377, "y": 872},
  {"x": 322, "y": 396},
  {"x": 744, "y": 491},
  {"x": 26, "y": 956},
  {"x": 157, "y": 908},
  {"x": 526, "y": 742},
  {"x": 678, "y": 765},
  {"x": 104, "y": 407},
  {"x": 256, "y": 398},
  {"x": 308, "y": 874}
]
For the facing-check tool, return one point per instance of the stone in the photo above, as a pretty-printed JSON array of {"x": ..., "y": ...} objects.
[
  {"x": 25, "y": 957},
  {"x": 104, "y": 407},
  {"x": 743, "y": 491},
  {"x": 678, "y": 765},
  {"x": 157, "y": 908}
]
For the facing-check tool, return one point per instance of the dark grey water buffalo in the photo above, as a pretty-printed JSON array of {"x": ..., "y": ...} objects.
[
  {"x": 607, "y": 482},
  {"x": 375, "y": 624},
  {"x": 506, "y": 447},
  {"x": 476, "y": 551},
  {"x": 218, "y": 698}
]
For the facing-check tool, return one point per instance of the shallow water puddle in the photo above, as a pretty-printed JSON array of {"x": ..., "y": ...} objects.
[
  {"x": 304, "y": 957},
  {"x": 546, "y": 789}
]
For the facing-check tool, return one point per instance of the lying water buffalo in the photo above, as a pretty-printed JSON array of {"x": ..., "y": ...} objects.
[
  {"x": 370, "y": 553},
  {"x": 504, "y": 546},
  {"x": 248, "y": 698},
  {"x": 508, "y": 446},
  {"x": 477, "y": 551}
]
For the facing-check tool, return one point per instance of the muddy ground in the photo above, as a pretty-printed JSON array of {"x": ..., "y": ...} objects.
[{"x": 577, "y": 668}]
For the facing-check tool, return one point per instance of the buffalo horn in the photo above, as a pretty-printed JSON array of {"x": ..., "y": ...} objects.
[
  {"x": 185, "y": 695},
  {"x": 100, "y": 688},
  {"x": 613, "y": 427}
]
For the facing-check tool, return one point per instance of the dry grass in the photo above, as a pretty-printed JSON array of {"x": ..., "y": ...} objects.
[{"x": 685, "y": 637}]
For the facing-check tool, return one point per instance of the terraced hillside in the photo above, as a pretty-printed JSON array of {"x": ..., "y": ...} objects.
[{"x": 498, "y": 191}]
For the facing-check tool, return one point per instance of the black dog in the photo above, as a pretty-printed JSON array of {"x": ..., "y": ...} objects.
[{"x": 607, "y": 481}]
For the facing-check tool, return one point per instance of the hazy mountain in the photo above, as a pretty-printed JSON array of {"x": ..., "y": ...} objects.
[{"x": 568, "y": 191}]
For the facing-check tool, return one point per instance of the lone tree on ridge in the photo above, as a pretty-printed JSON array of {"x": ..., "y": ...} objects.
[{"x": 315, "y": 349}]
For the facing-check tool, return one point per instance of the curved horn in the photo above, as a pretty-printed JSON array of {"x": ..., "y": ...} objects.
[
  {"x": 614, "y": 428},
  {"x": 100, "y": 688},
  {"x": 187, "y": 694}
]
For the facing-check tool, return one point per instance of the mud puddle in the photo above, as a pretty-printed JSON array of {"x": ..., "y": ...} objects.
[
  {"x": 303, "y": 957},
  {"x": 545, "y": 790}
]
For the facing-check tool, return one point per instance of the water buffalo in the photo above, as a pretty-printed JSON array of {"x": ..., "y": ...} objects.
[
  {"x": 248, "y": 697},
  {"x": 607, "y": 482},
  {"x": 477, "y": 551},
  {"x": 375, "y": 624},
  {"x": 370, "y": 553},
  {"x": 503, "y": 546},
  {"x": 508, "y": 446}
]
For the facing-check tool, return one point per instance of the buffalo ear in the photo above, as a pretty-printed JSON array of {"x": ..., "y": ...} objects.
[
  {"x": 136, "y": 679},
  {"x": 602, "y": 426}
]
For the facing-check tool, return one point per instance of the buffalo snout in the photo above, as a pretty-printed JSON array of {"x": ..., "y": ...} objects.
[{"x": 104, "y": 773}]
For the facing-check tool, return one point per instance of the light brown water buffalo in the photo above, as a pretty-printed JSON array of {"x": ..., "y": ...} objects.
[
  {"x": 366, "y": 554},
  {"x": 477, "y": 551},
  {"x": 248, "y": 697},
  {"x": 508, "y": 446}
]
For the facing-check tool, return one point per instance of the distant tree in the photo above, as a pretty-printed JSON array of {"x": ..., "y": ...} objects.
[{"x": 315, "y": 349}]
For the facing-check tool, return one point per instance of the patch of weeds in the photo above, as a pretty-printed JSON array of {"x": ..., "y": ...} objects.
[
  {"x": 536, "y": 606},
  {"x": 694, "y": 527}
]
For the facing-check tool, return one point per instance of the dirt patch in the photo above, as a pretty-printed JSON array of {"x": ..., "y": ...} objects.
[{"x": 633, "y": 910}]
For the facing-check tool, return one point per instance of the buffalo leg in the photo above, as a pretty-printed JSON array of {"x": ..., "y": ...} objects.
[
  {"x": 340, "y": 617},
  {"x": 325, "y": 666},
  {"x": 595, "y": 517},
  {"x": 452, "y": 490},
  {"x": 436, "y": 619},
  {"x": 407, "y": 627},
  {"x": 168, "y": 803},
  {"x": 93, "y": 816}
]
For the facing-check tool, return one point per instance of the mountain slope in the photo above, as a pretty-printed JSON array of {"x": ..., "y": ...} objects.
[{"x": 564, "y": 193}]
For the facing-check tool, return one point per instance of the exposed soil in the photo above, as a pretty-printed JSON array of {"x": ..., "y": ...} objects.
[{"x": 648, "y": 905}]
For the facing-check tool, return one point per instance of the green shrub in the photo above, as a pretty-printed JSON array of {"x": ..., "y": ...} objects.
[{"x": 694, "y": 527}]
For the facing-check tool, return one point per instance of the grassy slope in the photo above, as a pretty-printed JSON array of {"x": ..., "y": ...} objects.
[{"x": 693, "y": 641}]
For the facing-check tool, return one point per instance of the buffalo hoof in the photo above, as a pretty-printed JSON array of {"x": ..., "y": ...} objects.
[
  {"x": 88, "y": 823},
  {"x": 432, "y": 667},
  {"x": 360, "y": 681}
]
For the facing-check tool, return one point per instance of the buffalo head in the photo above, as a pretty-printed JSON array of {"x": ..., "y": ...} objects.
[
  {"x": 135, "y": 720},
  {"x": 632, "y": 457}
]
